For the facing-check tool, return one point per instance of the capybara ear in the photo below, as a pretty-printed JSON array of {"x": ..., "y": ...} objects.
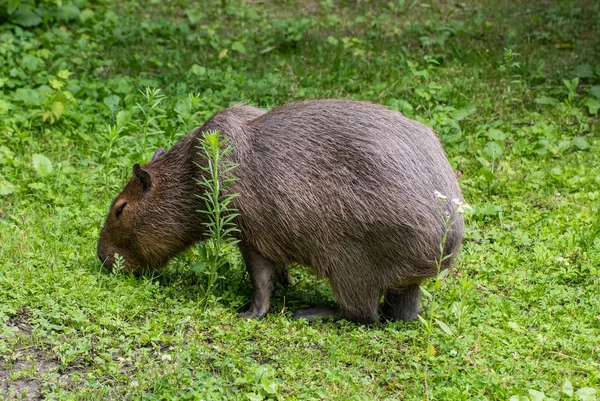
[
  {"x": 158, "y": 152},
  {"x": 142, "y": 175}
]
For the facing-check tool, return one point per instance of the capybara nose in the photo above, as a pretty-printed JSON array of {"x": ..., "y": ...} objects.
[{"x": 106, "y": 260}]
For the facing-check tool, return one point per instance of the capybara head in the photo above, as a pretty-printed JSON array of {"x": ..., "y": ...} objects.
[
  {"x": 156, "y": 215},
  {"x": 143, "y": 225}
]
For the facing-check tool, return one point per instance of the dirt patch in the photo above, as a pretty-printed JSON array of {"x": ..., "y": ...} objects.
[
  {"x": 22, "y": 377},
  {"x": 20, "y": 323},
  {"x": 22, "y": 372}
]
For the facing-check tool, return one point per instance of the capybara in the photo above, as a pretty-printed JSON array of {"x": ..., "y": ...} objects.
[{"x": 350, "y": 189}]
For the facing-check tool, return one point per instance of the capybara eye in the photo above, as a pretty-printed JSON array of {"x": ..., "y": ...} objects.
[{"x": 120, "y": 209}]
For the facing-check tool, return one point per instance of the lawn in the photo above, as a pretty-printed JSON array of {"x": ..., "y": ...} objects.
[{"x": 88, "y": 88}]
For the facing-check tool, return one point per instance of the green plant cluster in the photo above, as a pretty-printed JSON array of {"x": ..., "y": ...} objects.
[
  {"x": 214, "y": 190},
  {"x": 87, "y": 89}
]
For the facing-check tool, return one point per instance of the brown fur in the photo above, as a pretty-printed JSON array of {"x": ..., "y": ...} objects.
[{"x": 344, "y": 187}]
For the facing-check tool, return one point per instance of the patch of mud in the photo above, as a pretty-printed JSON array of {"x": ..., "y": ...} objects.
[
  {"x": 22, "y": 374},
  {"x": 20, "y": 323}
]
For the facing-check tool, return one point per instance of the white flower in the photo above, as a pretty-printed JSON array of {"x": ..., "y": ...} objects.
[
  {"x": 464, "y": 207},
  {"x": 166, "y": 357},
  {"x": 439, "y": 195},
  {"x": 453, "y": 352},
  {"x": 134, "y": 383}
]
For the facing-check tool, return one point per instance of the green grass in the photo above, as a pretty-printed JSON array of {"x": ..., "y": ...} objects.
[{"x": 513, "y": 91}]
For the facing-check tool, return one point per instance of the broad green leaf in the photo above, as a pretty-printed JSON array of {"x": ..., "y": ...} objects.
[
  {"x": 56, "y": 84},
  {"x": 41, "y": 164},
  {"x": 564, "y": 145},
  {"x": 198, "y": 70},
  {"x": 443, "y": 274},
  {"x": 584, "y": 71},
  {"x": 6, "y": 155},
  {"x": 425, "y": 292},
  {"x": 333, "y": 41},
  {"x": 254, "y": 397},
  {"x": 580, "y": 142},
  {"x": 537, "y": 395},
  {"x": 401, "y": 105},
  {"x": 28, "y": 96},
  {"x": 520, "y": 146},
  {"x": 121, "y": 85},
  {"x": 86, "y": 15},
  {"x": 267, "y": 49},
  {"x": 6, "y": 188},
  {"x": 493, "y": 150},
  {"x": 68, "y": 12},
  {"x": 57, "y": 109},
  {"x": 112, "y": 102},
  {"x": 567, "y": 388},
  {"x": 26, "y": 18},
  {"x": 238, "y": 47},
  {"x": 69, "y": 96},
  {"x": 514, "y": 326},
  {"x": 12, "y": 5},
  {"x": 463, "y": 113},
  {"x": 592, "y": 104},
  {"x": 587, "y": 394},
  {"x": 268, "y": 385},
  {"x": 496, "y": 134},
  {"x": 240, "y": 380},
  {"x": 123, "y": 117},
  {"x": 64, "y": 74},
  {"x": 571, "y": 84},
  {"x": 5, "y": 106},
  {"x": 541, "y": 147},
  {"x": 32, "y": 63},
  {"x": 194, "y": 16},
  {"x": 556, "y": 171},
  {"x": 546, "y": 100},
  {"x": 445, "y": 328},
  {"x": 36, "y": 186},
  {"x": 595, "y": 91},
  {"x": 430, "y": 350}
]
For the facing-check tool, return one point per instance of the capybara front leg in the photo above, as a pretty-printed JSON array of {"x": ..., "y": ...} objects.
[{"x": 262, "y": 272}]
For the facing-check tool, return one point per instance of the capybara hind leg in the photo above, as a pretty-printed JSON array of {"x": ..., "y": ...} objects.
[
  {"x": 262, "y": 273},
  {"x": 402, "y": 303}
]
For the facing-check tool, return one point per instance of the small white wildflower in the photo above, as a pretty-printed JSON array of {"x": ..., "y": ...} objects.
[
  {"x": 457, "y": 201},
  {"x": 464, "y": 207},
  {"x": 166, "y": 357},
  {"x": 439, "y": 195},
  {"x": 134, "y": 383},
  {"x": 453, "y": 352}
]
